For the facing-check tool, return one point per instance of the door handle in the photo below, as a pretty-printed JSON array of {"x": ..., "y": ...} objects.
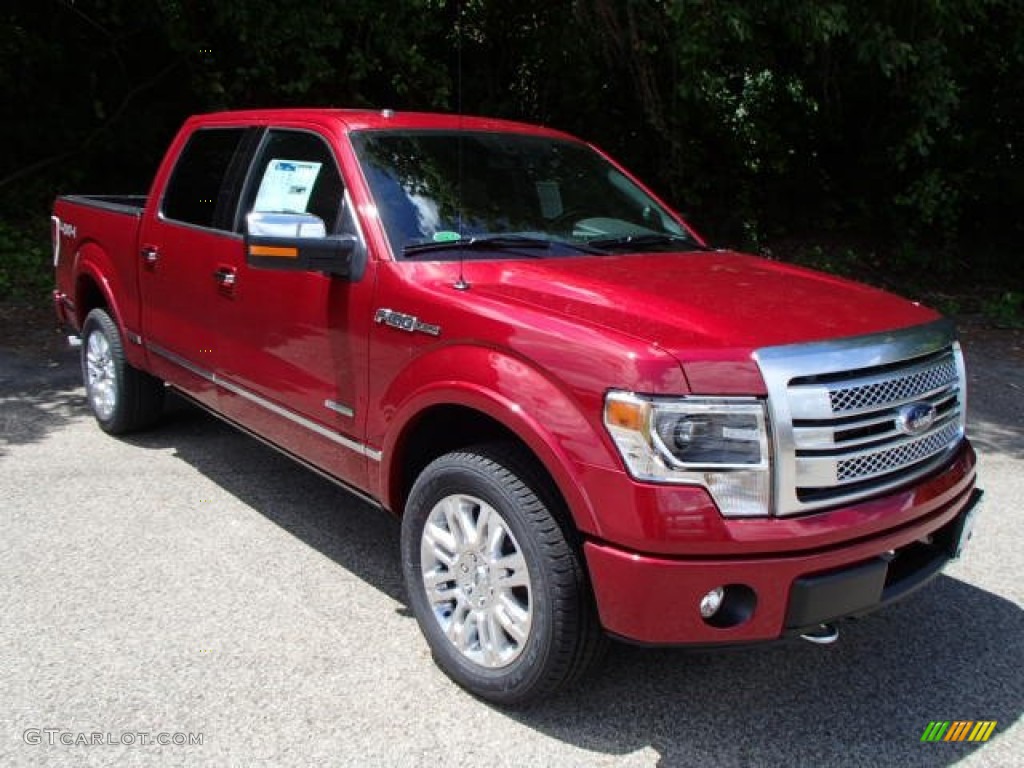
[
  {"x": 225, "y": 277},
  {"x": 150, "y": 255}
]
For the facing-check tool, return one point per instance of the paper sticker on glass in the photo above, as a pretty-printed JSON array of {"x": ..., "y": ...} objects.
[{"x": 286, "y": 186}]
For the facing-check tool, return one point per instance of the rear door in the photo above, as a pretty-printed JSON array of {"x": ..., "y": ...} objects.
[{"x": 190, "y": 255}]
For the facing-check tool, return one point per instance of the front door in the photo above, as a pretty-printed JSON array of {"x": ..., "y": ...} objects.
[{"x": 296, "y": 342}]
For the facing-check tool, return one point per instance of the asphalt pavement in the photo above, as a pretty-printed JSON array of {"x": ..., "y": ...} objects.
[{"x": 191, "y": 586}]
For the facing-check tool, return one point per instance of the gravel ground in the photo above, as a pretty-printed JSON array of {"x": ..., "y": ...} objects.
[{"x": 189, "y": 580}]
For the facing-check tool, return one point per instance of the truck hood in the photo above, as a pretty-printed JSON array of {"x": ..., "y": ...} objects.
[{"x": 701, "y": 307}]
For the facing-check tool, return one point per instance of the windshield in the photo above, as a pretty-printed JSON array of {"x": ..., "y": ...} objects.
[{"x": 469, "y": 188}]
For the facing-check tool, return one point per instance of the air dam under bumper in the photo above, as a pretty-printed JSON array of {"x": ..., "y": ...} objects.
[{"x": 655, "y": 600}]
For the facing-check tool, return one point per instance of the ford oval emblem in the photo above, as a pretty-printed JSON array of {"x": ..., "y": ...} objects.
[{"x": 915, "y": 418}]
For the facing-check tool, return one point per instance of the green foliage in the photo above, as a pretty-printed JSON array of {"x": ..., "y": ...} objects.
[
  {"x": 315, "y": 52},
  {"x": 898, "y": 123},
  {"x": 26, "y": 271},
  {"x": 867, "y": 116},
  {"x": 1006, "y": 310}
]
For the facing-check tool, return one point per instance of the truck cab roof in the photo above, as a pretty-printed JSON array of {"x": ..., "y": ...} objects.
[{"x": 376, "y": 119}]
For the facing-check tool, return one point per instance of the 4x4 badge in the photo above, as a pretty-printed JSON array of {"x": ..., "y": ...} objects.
[{"x": 404, "y": 322}]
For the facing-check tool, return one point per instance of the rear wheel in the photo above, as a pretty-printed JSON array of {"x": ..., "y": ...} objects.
[
  {"x": 122, "y": 398},
  {"x": 498, "y": 590}
]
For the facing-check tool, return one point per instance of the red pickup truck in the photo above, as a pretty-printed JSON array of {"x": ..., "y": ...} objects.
[{"x": 590, "y": 422}]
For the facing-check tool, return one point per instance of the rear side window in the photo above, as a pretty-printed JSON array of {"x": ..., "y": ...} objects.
[{"x": 194, "y": 193}]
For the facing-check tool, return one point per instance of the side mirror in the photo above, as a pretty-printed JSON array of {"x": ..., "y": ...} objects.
[{"x": 296, "y": 242}]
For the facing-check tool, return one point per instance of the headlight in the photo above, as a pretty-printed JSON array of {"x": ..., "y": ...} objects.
[{"x": 718, "y": 443}]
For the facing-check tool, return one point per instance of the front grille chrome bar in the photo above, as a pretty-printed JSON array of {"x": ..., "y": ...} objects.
[{"x": 838, "y": 413}]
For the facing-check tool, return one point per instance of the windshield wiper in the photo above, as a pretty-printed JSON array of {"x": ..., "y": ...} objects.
[
  {"x": 495, "y": 243},
  {"x": 643, "y": 240}
]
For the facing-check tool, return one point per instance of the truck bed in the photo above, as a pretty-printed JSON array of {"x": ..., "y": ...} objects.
[
  {"x": 132, "y": 205},
  {"x": 97, "y": 236}
]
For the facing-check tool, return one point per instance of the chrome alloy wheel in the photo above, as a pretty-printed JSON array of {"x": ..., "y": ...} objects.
[
  {"x": 101, "y": 376},
  {"x": 477, "y": 581}
]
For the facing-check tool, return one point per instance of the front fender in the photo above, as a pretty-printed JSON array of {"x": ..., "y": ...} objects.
[{"x": 551, "y": 421}]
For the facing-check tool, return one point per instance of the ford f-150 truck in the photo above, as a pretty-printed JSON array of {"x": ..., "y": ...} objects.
[{"x": 590, "y": 422}]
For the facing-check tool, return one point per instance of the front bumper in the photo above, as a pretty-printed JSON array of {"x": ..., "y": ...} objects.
[{"x": 654, "y": 599}]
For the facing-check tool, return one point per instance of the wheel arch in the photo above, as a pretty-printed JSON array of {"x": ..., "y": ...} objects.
[
  {"x": 88, "y": 296},
  {"x": 448, "y": 421},
  {"x": 92, "y": 286},
  {"x": 99, "y": 285}
]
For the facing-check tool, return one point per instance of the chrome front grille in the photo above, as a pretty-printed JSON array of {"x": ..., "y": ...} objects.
[
  {"x": 857, "y": 417},
  {"x": 885, "y": 461},
  {"x": 893, "y": 390}
]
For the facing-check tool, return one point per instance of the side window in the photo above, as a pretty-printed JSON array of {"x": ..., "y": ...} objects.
[
  {"x": 195, "y": 188},
  {"x": 295, "y": 172}
]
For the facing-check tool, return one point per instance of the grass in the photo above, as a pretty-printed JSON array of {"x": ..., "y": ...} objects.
[
  {"x": 953, "y": 287},
  {"x": 26, "y": 263}
]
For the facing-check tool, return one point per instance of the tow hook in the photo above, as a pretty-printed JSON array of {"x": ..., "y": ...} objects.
[{"x": 825, "y": 634}]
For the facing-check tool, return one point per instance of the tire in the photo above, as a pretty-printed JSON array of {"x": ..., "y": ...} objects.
[
  {"x": 494, "y": 578},
  {"x": 122, "y": 398}
]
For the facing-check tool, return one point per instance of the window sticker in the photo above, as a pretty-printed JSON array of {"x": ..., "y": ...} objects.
[{"x": 286, "y": 186}]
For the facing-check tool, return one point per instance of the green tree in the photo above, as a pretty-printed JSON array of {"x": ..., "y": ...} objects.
[{"x": 896, "y": 124}]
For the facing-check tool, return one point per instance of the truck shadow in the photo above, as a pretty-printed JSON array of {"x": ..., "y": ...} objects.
[
  {"x": 357, "y": 536},
  {"x": 37, "y": 396},
  {"x": 952, "y": 652}
]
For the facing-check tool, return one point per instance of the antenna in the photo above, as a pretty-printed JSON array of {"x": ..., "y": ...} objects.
[{"x": 460, "y": 284}]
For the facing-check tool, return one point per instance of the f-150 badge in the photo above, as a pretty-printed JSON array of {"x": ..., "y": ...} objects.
[{"x": 405, "y": 322}]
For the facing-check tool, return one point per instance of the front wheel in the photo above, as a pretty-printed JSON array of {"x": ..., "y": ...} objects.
[
  {"x": 122, "y": 398},
  {"x": 499, "y": 592}
]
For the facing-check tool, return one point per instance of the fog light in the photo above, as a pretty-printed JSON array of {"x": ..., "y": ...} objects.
[{"x": 711, "y": 602}]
